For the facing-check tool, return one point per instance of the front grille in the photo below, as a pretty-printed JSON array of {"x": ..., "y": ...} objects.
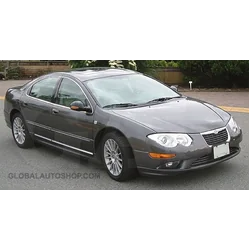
[
  {"x": 203, "y": 160},
  {"x": 210, "y": 158},
  {"x": 216, "y": 139}
]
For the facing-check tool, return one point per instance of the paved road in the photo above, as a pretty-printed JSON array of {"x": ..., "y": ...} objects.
[
  {"x": 13, "y": 160},
  {"x": 4, "y": 85}
]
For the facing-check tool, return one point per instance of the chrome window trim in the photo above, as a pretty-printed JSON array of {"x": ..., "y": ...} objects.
[
  {"x": 55, "y": 104},
  {"x": 37, "y": 81},
  {"x": 63, "y": 144},
  {"x": 81, "y": 90}
]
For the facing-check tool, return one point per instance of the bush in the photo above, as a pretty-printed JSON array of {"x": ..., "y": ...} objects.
[
  {"x": 172, "y": 64},
  {"x": 216, "y": 73},
  {"x": 2, "y": 67},
  {"x": 151, "y": 67},
  {"x": 13, "y": 73},
  {"x": 128, "y": 64},
  {"x": 143, "y": 66}
]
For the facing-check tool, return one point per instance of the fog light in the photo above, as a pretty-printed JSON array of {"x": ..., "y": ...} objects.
[{"x": 169, "y": 164}]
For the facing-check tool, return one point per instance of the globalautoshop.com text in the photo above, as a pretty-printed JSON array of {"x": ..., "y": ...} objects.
[{"x": 64, "y": 176}]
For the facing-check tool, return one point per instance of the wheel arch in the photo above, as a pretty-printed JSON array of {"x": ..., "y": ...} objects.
[
  {"x": 12, "y": 113},
  {"x": 101, "y": 134}
]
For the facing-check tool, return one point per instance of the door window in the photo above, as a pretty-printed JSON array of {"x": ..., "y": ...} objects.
[
  {"x": 44, "y": 89},
  {"x": 69, "y": 92}
]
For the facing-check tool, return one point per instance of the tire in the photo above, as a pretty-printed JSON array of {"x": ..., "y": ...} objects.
[
  {"x": 120, "y": 163},
  {"x": 20, "y": 132}
]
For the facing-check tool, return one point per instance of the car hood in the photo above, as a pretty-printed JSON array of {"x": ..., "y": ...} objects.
[{"x": 182, "y": 115}]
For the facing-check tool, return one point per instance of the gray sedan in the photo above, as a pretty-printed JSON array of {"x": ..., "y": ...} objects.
[{"x": 131, "y": 122}]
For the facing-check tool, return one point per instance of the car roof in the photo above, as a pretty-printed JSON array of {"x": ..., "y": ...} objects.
[{"x": 86, "y": 74}]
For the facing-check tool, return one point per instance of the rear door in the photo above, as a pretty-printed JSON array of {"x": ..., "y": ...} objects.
[{"x": 36, "y": 107}]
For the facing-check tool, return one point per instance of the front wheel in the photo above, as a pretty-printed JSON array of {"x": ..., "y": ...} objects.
[
  {"x": 20, "y": 132},
  {"x": 118, "y": 157}
]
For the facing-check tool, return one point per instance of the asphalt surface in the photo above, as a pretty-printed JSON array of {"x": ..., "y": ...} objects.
[{"x": 43, "y": 165}]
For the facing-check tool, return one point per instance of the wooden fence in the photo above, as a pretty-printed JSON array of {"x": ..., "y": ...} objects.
[
  {"x": 31, "y": 69},
  {"x": 169, "y": 75},
  {"x": 37, "y": 68}
]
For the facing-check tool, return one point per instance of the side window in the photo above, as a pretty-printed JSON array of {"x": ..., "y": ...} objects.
[
  {"x": 69, "y": 92},
  {"x": 44, "y": 89}
]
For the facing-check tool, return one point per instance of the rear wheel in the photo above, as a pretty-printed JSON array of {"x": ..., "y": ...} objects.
[
  {"x": 20, "y": 132},
  {"x": 118, "y": 157}
]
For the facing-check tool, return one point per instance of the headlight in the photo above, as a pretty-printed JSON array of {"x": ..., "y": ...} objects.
[
  {"x": 171, "y": 140},
  {"x": 233, "y": 125}
]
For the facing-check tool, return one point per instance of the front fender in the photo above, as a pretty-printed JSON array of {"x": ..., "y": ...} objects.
[{"x": 135, "y": 133}]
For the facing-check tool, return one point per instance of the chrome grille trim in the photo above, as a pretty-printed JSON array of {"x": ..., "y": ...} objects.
[{"x": 213, "y": 141}]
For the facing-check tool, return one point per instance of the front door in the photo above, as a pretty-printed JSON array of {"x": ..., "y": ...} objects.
[{"x": 72, "y": 129}]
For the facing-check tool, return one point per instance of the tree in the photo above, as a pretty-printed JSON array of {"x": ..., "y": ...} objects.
[
  {"x": 128, "y": 64},
  {"x": 216, "y": 73},
  {"x": 140, "y": 65}
]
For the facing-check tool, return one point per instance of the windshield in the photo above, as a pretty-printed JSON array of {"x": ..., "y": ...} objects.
[{"x": 132, "y": 89}]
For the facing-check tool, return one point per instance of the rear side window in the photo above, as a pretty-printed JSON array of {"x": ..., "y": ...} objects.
[{"x": 44, "y": 89}]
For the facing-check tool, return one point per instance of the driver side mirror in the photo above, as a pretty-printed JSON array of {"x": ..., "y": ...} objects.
[
  {"x": 80, "y": 106},
  {"x": 174, "y": 87}
]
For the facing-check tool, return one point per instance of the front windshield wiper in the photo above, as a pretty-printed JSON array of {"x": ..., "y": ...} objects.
[
  {"x": 120, "y": 105},
  {"x": 163, "y": 99}
]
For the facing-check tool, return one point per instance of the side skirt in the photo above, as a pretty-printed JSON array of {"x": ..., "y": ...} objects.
[{"x": 60, "y": 147}]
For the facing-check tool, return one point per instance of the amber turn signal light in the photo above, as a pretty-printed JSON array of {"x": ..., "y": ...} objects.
[
  {"x": 74, "y": 107},
  {"x": 161, "y": 156}
]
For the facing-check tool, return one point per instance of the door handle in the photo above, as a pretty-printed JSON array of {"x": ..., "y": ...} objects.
[{"x": 55, "y": 111}]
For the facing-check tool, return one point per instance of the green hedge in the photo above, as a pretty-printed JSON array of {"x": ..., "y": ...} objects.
[
  {"x": 216, "y": 73},
  {"x": 2, "y": 67},
  {"x": 13, "y": 73},
  {"x": 203, "y": 73}
]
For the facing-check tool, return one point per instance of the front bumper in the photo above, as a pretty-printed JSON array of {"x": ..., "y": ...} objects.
[{"x": 199, "y": 156}]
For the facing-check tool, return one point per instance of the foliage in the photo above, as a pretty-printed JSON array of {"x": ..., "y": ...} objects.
[
  {"x": 216, "y": 73},
  {"x": 2, "y": 66},
  {"x": 144, "y": 64},
  {"x": 128, "y": 64},
  {"x": 203, "y": 73},
  {"x": 151, "y": 67},
  {"x": 13, "y": 73},
  {"x": 172, "y": 64}
]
